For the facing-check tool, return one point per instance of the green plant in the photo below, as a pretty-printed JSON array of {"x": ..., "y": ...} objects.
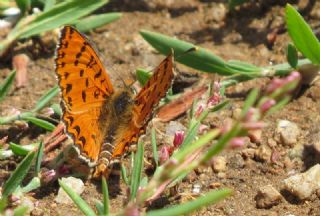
[{"x": 54, "y": 15}]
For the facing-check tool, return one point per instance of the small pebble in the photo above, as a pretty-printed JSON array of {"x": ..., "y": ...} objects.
[
  {"x": 288, "y": 132},
  {"x": 267, "y": 197},
  {"x": 236, "y": 162},
  {"x": 263, "y": 153},
  {"x": 219, "y": 164},
  {"x": 77, "y": 186},
  {"x": 214, "y": 185},
  {"x": 305, "y": 184},
  {"x": 196, "y": 188}
]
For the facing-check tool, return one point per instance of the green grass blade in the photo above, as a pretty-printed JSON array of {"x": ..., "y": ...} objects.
[
  {"x": 154, "y": 146},
  {"x": 191, "y": 206},
  {"x": 143, "y": 76},
  {"x": 124, "y": 174},
  {"x": 82, "y": 205},
  {"x": 56, "y": 109},
  {"x": 250, "y": 100},
  {"x": 243, "y": 67},
  {"x": 22, "y": 150},
  {"x": 20, "y": 211},
  {"x": 18, "y": 175},
  {"x": 39, "y": 158},
  {"x": 95, "y": 21},
  {"x": 48, "y": 5},
  {"x": 60, "y": 14},
  {"x": 200, "y": 59},
  {"x": 24, "y": 5},
  {"x": 99, "y": 207},
  {"x": 292, "y": 56},
  {"x": 302, "y": 35},
  {"x": 106, "y": 202},
  {"x": 5, "y": 86},
  {"x": 32, "y": 185},
  {"x": 44, "y": 100},
  {"x": 40, "y": 122},
  {"x": 137, "y": 170}
]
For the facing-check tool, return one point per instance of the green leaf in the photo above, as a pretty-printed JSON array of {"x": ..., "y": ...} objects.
[
  {"x": 44, "y": 100},
  {"x": 18, "y": 175},
  {"x": 243, "y": 67},
  {"x": 32, "y": 185},
  {"x": 60, "y": 14},
  {"x": 143, "y": 76},
  {"x": 200, "y": 59},
  {"x": 154, "y": 147},
  {"x": 124, "y": 174},
  {"x": 39, "y": 158},
  {"x": 48, "y": 4},
  {"x": 105, "y": 197},
  {"x": 24, "y": 5},
  {"x": 302, "y": 36},
  {"x": 250, "y": 100},
  {"x": 82, "y": 205},
  {"x": 3, "y": 203},
  {"x": 22, "y": 150},
  {"x": 40, "y": 122},
  {"x": 292, "y": 56},
  {"x": 20, "y": 211},
  {"x": 191, "y": 206},
  {"x": 137, "y": 170},
  {"x": 56, "y": 109},
  {"x": 95, "y": 21},
  {"x": 5, "y": 86}
]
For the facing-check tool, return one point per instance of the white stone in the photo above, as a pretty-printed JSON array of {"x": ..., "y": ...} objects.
[
  {"x": 77, "y": 186},
  {"x": 288, "y": 131},
  {"x": 267, "y": 197},
  {"x": 305, "y": 184}
]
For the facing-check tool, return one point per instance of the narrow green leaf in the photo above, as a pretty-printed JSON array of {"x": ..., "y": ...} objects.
[
  {"x": 137, "y": 171},
  {"x": 191, "y": 206},
  {"x": 22, "y": 150},
  {"x": 44, "y": 100},
  {"x": 24, "y": 5},
  {"x": 95, "y": 21},
  {"x": 143, "y": 76},
  {"x": 48, "y": 4},
  {"x": 56, "y": 109},
  {"x": 99, "y": 207},
  {"x": 200, "y": 59},
  {"x": 154, "y": 147},
  {"x": 250, "y": 100},
  {"x": 40, "y": 122},
  {"x": 60, "y": 14},
  {"x": 20, "y": 211},
  {"x": 82, "y": 205},
  {"x": 39, "y": 158},
  {"x": 18, "y": 175},
  {"x": 124, "y": 174},
  {"x": 302, "y": 35},
  {"x": 244, "y": 67},
  {"x": 5, "y": 86},
  {"x": 105, "y": 197},
  {"x": 32, "y": 185},
  {"x": 292, "y": 56}
]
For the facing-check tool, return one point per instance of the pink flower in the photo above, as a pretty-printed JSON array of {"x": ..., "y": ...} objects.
[
  {"x": 178, "y": 139},
  {"x": 164, "y": 154},
  {"x": 237, "y": 142},
  {"x": 267, "y": 105},
  {"x": 214, "y": 99},
  {"x": 200, "y": 109}
]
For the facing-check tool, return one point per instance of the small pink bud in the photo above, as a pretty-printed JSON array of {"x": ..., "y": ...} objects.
[
  {"x": 214, "y": 99},
  {"x": 253, "y": 125},
  {"x": 48, "y": 176},
  {"x": 237, "y": 142},
  {"x": 252, "y": 115},
  {"x": 200, "y": 109},
  {"x": 164, "y": 154},
  {"x": 295, "y": 75},
  {"x": 267, "y": 105},
  {"x": 274, "y": 85},
  {"x": 178, "y": 139}
]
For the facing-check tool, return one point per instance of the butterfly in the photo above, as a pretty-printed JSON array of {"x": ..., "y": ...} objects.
[{"x": 103, "y": 121}]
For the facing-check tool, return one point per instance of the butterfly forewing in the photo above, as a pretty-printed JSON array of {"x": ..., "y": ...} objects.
[{"x": 85, "y": 86}]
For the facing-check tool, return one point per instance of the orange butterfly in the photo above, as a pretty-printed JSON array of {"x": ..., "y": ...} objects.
[{"x": 101, "y": 120}]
